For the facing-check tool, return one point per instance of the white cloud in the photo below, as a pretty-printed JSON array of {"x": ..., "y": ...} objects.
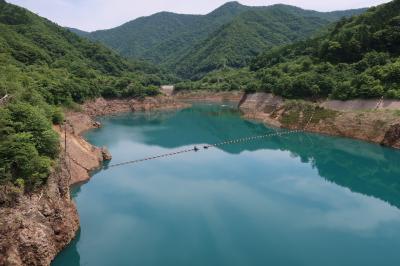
[{"x": 100, "y": 14}]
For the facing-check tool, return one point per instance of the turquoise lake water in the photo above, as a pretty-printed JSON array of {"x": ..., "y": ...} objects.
[{"x": 301, "y": 199}]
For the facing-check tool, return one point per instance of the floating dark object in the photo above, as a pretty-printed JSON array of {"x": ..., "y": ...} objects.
[{"x": 196, "y": 149}]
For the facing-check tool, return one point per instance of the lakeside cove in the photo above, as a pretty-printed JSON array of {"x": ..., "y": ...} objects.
[
  {"x": 239, "y": 197},
  {"x": 245, "y": 136},
  {"x": 83, "y": 158}
]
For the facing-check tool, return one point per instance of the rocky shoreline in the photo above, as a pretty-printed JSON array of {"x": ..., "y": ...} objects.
[
  {"x": 84, "y": 157},
  {"x": 100, "y": 106},
  {"x": 40, "y": 225},
  {"x": 209, "y": 96},
  {"x": 364, "y": 120}
]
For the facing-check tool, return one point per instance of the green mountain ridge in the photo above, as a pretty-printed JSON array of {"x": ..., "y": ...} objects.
[
  {"x": 164, "y": 34},
  {"x": 178, "y": 41},
  {"x": 253, "y": 31}
]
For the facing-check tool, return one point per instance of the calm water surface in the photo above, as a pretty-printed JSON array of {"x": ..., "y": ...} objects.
[{"x": 294, "y": 200}]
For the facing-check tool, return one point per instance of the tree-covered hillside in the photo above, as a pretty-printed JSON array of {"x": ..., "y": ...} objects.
[
  {"x": 164, "y": 35},
  {"x": 192, "y": 45},
  {"x": 44, "y": 67},
  {"x": 359, "y": 57},
  {"x": 248, "y": 34}
]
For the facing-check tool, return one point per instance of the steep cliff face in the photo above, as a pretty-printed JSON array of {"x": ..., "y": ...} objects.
[
  {"x": 40, "y": 225},
  {"x": 380, "y": 125},
  {"x": 82, "y": 157},
  {"x": 392, "y": 136}
]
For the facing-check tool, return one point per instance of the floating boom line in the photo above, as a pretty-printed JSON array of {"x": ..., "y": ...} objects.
[
  {"x": 216, "y": 145},
  {"x": 206, "y": 147}
]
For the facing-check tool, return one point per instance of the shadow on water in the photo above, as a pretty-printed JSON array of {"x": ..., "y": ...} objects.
[
  {"x": 200, "y": 124},
  {"x": 71, "y": 252},
  {"x": 364, "y": 168}
]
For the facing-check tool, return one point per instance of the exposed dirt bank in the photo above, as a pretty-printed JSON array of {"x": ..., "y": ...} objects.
[
  {"x": 40, "y": 225},
  {"x": 108, "y": 107},
  {"x": 380, "y": 125},
  {"x": 358, "y": 105},
  {"x": 209, "y": 96},
  {"x": 84, "y": 157}
]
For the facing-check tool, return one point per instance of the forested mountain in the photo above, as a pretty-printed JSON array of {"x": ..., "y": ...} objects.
[
  {"x": 44, "y": 66},
  {"x": 248, "y": 34},
  {"x": 192, "y": 45},
  {"x": 165, "y": 35},
  {"x": 359, "y": 57}
]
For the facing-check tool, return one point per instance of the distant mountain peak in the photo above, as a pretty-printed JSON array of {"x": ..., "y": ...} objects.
[
  {"x": 233, "y": 7},
  {"x": 232, "y": 4},
  {"x": 164, "y": 13}
]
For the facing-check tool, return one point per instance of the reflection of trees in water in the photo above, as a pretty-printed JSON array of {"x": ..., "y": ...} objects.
[
  {"x": 200, "y": 124},
  {"x": 362, "y": 167},
  {"x": 139, "y": 118}
]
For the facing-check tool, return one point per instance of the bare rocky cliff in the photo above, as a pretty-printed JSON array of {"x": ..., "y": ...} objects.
[
  {"x": 40, "y": 225},
  {"x": 371, "y": 120},
  {"x": 81, "y": 156}
]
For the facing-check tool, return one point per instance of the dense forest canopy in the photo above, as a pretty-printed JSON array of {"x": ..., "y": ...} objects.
[
  {"x": 359, "y": 57},
  {"x": 44, "y": 67},
  {"x": 193, "y": 45}
]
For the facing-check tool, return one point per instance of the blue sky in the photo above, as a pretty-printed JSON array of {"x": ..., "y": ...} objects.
[{"x": 102, "y": 14}]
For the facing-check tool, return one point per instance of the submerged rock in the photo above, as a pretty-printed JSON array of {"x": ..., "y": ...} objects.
[
  {"x": 392, "y": 136},
  {"x": 106, "y": 154},
  {"x": 96, "y": 124}
]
